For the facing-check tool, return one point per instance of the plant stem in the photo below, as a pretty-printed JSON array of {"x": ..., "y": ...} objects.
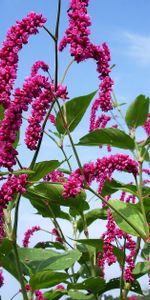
[
  {"x": 122, "y": 270},
  {"x": 66, "y": 71},
  {"x": 56, "y": 43},
  {"x": 49, "y": 32},
  {"x": 19, "y": 163},
  {"x": 65, "y": 155},
  {"x": 56, "y": 224},
  {"x": 14, "y": 245}
]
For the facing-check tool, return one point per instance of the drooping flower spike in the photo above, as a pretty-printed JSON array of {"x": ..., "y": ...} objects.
[{"x": 17, "y": 36}]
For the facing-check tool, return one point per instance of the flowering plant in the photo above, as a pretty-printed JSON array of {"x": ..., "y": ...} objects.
[{"x": 72, "y": 267}]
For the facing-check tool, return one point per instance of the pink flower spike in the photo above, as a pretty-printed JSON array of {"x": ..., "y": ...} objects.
[{"x": 28, "y": 235}]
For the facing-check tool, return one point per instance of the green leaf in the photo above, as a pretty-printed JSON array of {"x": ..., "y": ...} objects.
[
  {"x": 48, "y": 194},
  {"x": 27, "y": 255},
  {"x": 113, "y": 186},
  {"x": 95, "y": 214},
  {"x": 41, "y": 259},
  {"x": 94, "y": 284},
  {"x": 141, "y": 269},
  {"x": 115, "y": 284},
  {"x": 61, "y": 261},
  {"x": 96, "y": 243},
  {"x": 119, "y": 254},
  {"x": 15, "y": 144},
  {"x": 48, "y": 244},
  {"x": 108, "y": 136},
  {"x": 8, "y": 262},
  {"x": 80, "y": 296},
  {"x": 1, "y": 112},
  {"x": 132, "y": 214},
  {"x": 41, "y": 169},
  {"x": 55, "y": 294},
  {"x": 137, "y": 112},
  {"x": 75, "y": 110},
  {"x": 47, "y": 279},
  {"x": 145, "y": 251}
]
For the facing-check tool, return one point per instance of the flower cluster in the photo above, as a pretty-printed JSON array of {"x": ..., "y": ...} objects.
[
  {"x": 131, "y": 246},
  {"x": 56, "y": 233},
  {"x": 1, "y": 278},
  {"x": 52, "y": 119},
  {"x": 39, "y": 108},
  {"x": 100, "y": 171},
  {"x": 110, "y": 236},
  {"x": 81, "y": 48},
  {"x": 14, "y": 184},
  {"x": 78, "y": 31},
  {"x": 101, "y": 121},
  {"x": 40, "y": 64},
  {"x": 73, "y": 185},
  {"x": 13, "y": 117},
  {"x": 55, "y": 176},
  {"x": 28, "y": 235},
  {"x": 38, "y": 293},
  {"x": 16, "y": 37}
]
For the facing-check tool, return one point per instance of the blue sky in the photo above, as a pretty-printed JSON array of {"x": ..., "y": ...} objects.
[{"x": 124, "y": 25}]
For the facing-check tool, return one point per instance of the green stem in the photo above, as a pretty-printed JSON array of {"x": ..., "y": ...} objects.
[
  {"x": 56, "y": 224},
  {"x": 117, "y": 211},
  {"x": 65, "y": 155},
  {"x": 19, "y": 163},
  {"x": 49, "y": 32},
  {"x": 122, "y": 270},
  {"x": 56, "y": 43},
  {"x": 66, "y": 71},
  {"x": 14, "y": 245}
]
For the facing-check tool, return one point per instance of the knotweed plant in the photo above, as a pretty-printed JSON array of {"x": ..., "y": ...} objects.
[{"x": 72, "y": 267}]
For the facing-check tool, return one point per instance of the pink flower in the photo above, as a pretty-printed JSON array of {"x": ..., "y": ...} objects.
[
  {"x": 39, "y": 295},
  {"x": 14, "y": 184},
  {"x": 16, "y": 37},
  {"x": 52, "y": 119},
  {"x": 60, "y": 287},
  {"x": 55, "y": 176},
  {"x": 100, "y": 171},
  {"x": 1, "y": 278},
  {"x": 39, "y": 108},
  {"x": 78, "y": 31},
  {"x": 28, "y": 235},
  {"x": 55, "y": 232}
]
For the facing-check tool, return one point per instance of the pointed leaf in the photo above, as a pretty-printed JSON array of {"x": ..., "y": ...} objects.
[
  {"x": 41, "y": 169},
  {"x": 94, "y": 284},
  {"x": 52, "y": 194},
  {"x": 47, "y": 279},
  {"x": 75, "y": 110},
  {"x": 137, "y": 112},
  {"x": 95, "y": 214},
  {"x": 108, "y": 136},
  {"x": 141, "y": 268},
  {"x": 75, "y": 295},
  {"x": 132, "y": 214}
]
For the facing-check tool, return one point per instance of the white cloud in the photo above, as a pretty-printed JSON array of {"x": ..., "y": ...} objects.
[{"x": 138, "y": 47}]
